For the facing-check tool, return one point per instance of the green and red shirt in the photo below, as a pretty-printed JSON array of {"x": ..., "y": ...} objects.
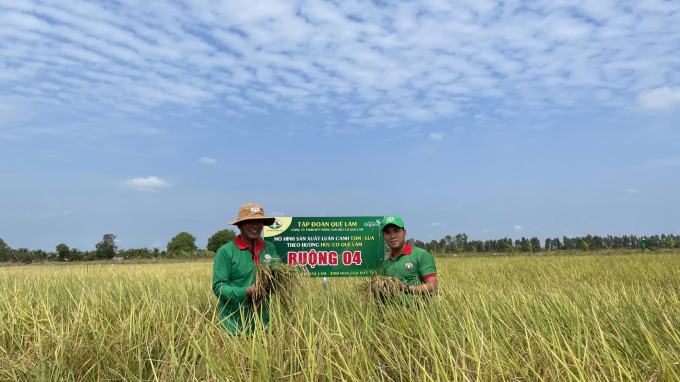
[
  {"x": 412, "y": 267},
  {"x": 233, "y": 272}
]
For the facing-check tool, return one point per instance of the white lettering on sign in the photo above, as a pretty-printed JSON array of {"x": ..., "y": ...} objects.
[{"x": 315, "y": 258}]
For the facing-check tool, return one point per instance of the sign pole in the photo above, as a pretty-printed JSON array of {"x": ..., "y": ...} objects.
[{"x": 325, "y": 284}]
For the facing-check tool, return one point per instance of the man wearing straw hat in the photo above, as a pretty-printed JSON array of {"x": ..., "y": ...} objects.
[
  {"x": 234, "y": 271},
  {"x": 413, "y": 267}
]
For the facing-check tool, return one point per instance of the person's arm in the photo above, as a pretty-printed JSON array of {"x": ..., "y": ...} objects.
[
  {"x": 222, "y": 280},
  {"x": 427, "y": 270},
  {"x": 430, "y": 286}
]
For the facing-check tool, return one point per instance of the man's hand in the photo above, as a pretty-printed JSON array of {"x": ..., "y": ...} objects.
[
  {"x": 250, "y": 292},
  {"x": 430, "y": 286},
  {"x": 403, "y": 287}
]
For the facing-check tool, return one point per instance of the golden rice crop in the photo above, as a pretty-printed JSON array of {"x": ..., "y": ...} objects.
[
  {"x": 283, "y": 280},
  {"x": 379, "y": 288},
  {"x": 577, "y": 318}
]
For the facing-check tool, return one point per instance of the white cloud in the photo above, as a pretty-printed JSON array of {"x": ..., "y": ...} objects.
[
  {"x": 208, "y": 160},
  {"x": 277, "y": 213},
  {"x": 403, "y": 62},
  {"x": 438, "y": 224},
  {"x": 633, "y": 191},
  {"x": 157, "y": 244},
  {"x": 151, "y": 183},
  {"x": 663, "y": 98},
  {"x": 486, "y": 230},
  {"x": 437, "y": 136},
  {"x": 518, "y": 228}
]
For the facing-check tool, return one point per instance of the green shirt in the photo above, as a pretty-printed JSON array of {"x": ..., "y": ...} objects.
[
  {"x": 233, "y": 272},
  {"x": 411, "y": 267}
]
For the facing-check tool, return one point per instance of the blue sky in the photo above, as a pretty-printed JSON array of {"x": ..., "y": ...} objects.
[{"x": 514, "y": 118}]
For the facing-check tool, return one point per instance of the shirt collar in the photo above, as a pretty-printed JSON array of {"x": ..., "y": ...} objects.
[
  {"x": 242, "y": 244},
  {"x": 407, "y": 250}
]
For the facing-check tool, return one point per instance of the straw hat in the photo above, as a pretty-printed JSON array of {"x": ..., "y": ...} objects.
[{"x": 252, "y": 211}]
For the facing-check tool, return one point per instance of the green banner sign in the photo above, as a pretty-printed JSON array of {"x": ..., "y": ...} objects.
[{"x": 329, "y": 246}]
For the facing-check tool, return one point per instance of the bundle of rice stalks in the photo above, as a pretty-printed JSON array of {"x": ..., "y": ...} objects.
[
  {"x": 380, "y": 288},
  {"x": 276, "y": 278}
]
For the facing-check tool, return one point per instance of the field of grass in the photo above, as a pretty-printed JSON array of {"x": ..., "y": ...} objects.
[{"x": 576, "y": 318}]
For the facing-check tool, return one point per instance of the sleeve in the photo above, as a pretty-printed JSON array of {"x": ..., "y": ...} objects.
[
  {"x": 427, "y": 266},
  {"x": 222, "y": 279}
]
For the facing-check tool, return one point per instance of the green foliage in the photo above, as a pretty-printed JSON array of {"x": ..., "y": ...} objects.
[
  {"x": 670, "y": 242},
  {"x": 76, "y": 254},
  {"x": 585, "y": 245},
  {"x": 199, "y": 254},
  {"x": 4, "y": 251},
  {"x": 509, "y": 248},
  {"x": 139, "y": 253},
  {"x": 63, "y": 251},
  {"x": 106, "y": 249},
  {"x": 21, "y": 255},
  {"x": 184, "y": 241},
  {"x": 220, "y": 238}
]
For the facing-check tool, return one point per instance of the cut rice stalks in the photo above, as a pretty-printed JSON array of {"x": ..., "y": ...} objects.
[
  {"x": 283, "y": 280},
  {"x": 380, "y": 288}
]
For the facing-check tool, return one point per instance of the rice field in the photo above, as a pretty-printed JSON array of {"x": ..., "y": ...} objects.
[{"x": 577, "y": 318}]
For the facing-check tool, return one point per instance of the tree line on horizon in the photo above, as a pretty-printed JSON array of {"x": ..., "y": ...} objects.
[
  {"x": 183, "y": 245},
  {"x": 460, "y": 243}
]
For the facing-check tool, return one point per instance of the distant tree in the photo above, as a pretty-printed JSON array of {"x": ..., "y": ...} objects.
[
  {"x": 460, "y": 242},
  {"x": 510, "y": 248},
  {"x": 432, "y": 246},
  {"x": 22, "y": 255},
  {"x": 556, "y": 243},
  {"x": 76, "y": 255},
  {"x": 184, "y": 241},
  {"x": 63, "y": 251},
  {"x": 220, "y": 238},
  {"x": 4, "y": 251},
  {"x": 106, "y": 249},
  {"x": 448, "y": 243},
  {"x": 535, "y": 244},
  {"x": 586, "y": 244},
  {"x": 670, "y": 242}
]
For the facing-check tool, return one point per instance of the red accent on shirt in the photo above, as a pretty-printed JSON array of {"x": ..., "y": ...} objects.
[
  {"x": 242, "y": 245},
  {"x": 407, "y": 250},
  {"x": 428, "y": 276}
]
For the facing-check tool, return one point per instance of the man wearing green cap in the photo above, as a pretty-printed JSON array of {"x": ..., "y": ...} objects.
[
  {"x": 234, "y": 271},
  {"x": 413, "y": 267}
]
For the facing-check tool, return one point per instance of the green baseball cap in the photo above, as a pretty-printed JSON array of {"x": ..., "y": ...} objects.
[{"x": 391, "y": 219}]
